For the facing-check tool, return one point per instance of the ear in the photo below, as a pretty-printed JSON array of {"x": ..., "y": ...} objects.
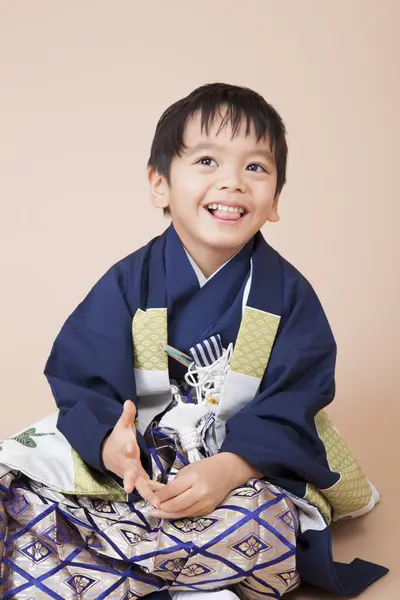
[
  {"x": 273, "y": 216},
  {"x": 159, "y": 188}
]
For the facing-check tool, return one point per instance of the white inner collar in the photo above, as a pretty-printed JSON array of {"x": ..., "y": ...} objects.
[{"x": 202, "y": 279}]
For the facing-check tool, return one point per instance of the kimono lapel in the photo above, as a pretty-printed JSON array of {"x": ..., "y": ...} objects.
[{"x": 257, "y": 332}]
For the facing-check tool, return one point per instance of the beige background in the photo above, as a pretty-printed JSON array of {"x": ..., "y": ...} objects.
[{"x": 82, "y": 84}]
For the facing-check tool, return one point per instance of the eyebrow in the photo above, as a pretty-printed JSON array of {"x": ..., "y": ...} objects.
[
  {"x": 213, "y": 146},
  {"x": 203, "y": 146}
]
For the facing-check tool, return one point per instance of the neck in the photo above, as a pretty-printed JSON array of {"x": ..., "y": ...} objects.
[
  {"x": 208, "y": 265},
  {"x": 209, "y": 260}
]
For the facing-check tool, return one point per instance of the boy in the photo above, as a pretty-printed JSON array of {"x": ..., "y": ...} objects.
[{"x": 233, "y": 359}]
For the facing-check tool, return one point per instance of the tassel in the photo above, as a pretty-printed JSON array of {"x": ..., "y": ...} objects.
[{"x": 186, "y": 420}]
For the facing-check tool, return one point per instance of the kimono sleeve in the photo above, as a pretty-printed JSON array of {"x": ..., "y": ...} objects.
[
  {"x": 90, "y": 368},
  {"x": 276, "y": 431}
]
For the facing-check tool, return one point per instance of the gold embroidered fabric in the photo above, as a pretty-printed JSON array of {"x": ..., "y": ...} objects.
[
  {"x": 254, "y": 342},
  {"x": 89, "y": 482},
  {"x": 79, "y": 548},
  {"x": 314, "y": 497},
  {"x": 352, "y": 492},
  {"x": 149, "y": 331}
]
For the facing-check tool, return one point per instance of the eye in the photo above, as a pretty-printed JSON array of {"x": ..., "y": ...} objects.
[
  {"x": 206, "y": 161},
  {"x": 256, "y": 168}
]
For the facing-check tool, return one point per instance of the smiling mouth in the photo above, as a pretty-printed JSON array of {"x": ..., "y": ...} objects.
[{"x": 225, "y": 212}]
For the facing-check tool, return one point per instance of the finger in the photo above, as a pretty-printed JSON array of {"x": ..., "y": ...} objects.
[
  {"x": 127, "y": 419},
  {"x": 156, "y": 485},
  {"x": 175, "y": 488},
  {"x": 136, "y": 477},
  {"x": 132, "y": 470},
  {"x": 144, "y": 489},
  {"x": 181, "y": 503},
  {"x": 129, "y": 479},
  {"x": 196, "y": 510}
]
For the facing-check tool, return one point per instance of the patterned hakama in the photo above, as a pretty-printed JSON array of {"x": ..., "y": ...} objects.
[{"x": 71, "y": 547}]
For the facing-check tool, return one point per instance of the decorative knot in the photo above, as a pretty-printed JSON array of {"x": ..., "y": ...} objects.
[{"x": 190, "y": 440}]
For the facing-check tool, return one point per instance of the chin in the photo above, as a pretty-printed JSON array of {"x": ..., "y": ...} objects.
[{"x": 226, "y": 242}]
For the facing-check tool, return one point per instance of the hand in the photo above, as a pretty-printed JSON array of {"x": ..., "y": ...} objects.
[
  {"x": 200, "y": 487},
  {"x": 121, "y": 455}
]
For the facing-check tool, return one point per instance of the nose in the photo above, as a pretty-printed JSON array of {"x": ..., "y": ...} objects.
[{"x": 231, "y": 180}]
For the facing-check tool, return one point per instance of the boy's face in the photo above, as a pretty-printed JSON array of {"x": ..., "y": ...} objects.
[{"x": 222, "y": 189}]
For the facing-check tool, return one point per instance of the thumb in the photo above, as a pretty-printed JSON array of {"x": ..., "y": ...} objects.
[{"x": 128, "y": 416}]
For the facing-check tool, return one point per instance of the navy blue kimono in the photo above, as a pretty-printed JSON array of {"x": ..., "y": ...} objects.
[{"x": 90, "y": 371}]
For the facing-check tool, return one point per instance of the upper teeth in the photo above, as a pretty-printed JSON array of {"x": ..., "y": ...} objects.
[{"x": 225, "y": 208}]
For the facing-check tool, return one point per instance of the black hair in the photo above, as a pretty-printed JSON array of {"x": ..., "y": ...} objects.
[{"x": 241, "y": 104}]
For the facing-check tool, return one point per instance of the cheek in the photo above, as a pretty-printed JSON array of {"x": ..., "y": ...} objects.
[
  {"x": 264, "y": 194},
  {"x": 192, "y": 188}
]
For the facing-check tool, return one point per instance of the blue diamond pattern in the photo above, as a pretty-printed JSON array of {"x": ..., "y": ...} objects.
[
  {"x": 250, "y": 546},
  {"x": 173, "y": 565},
  {"x": 198, "y": 524},
  {"x": 287, "y": 519},
  {"x": 195, "y": 570},
  {"x": 37, "y": 551},
  {"x": 40, "y": 549},
  {"x": 80, "y": 583},
  {"x": 131, "y": 538},
  {"x": 288, "y": 577},
  {"x": 19, "y": 504},
  {"x": 55, "y": 535}
]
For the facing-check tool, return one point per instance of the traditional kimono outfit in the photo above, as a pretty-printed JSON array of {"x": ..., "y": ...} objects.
[{"x": 244, "y": 363}]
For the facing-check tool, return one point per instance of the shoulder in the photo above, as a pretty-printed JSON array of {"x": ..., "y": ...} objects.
[
  {"x": 131, "y": 264},
  {"x": 293, "y": 279},
  {"x": 121, "y": 280},
  {"x": 302, "y": 306},
  {"x": 127, "y": 271},
  {"x": 297, "y": 291}
]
